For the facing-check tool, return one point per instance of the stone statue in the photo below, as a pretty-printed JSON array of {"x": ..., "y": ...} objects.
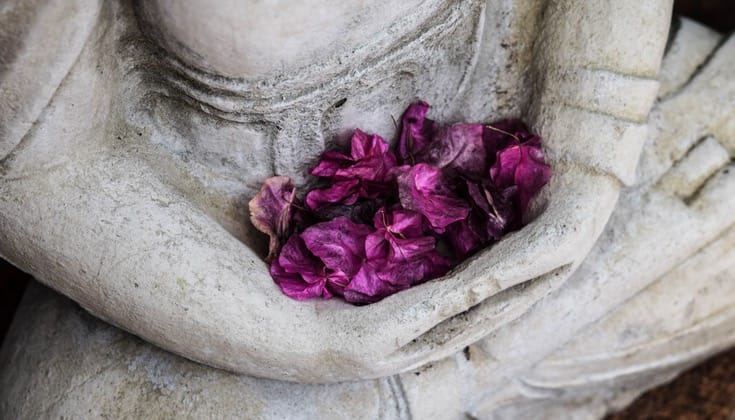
[{"x": 133, "y": 134}]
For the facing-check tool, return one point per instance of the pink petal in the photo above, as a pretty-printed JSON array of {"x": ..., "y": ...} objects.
[
  {"x": 500, "y": 134},
  {"x": 294, "y": 286},
  {"x": 423, "y": 189},
  {"x": 521, "y": 165},
  {"x": 341, "y": 192},
  {"x": 339, "y": 243},
  {"x": 460, "y": 150},
  {"x": 417, "y": 132},
  {"x": 271, "y": 211},
  {"x": 330, "y": 163},
  {"x": 368, "y": 287},
  {"x": 364, "y": 145},
  {"x": 407, "y": 223},
  {"x": 296, "y": 258},
  {"x": 296, "y": 271},
  {"x": 379, "y": 279}
]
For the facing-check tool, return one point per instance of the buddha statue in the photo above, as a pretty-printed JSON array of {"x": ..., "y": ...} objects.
[{"x": 134, "y": 133}]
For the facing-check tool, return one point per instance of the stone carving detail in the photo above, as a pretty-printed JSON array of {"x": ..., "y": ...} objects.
[
  {"x": 153, "y": 239},
  {"x": 127, "y": 195}
]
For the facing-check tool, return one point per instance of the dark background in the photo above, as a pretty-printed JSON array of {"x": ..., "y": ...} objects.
[{"x": 705, "y": 392}]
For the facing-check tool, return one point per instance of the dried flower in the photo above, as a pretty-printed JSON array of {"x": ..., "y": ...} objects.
[
  {"x": 416, "y": 132},
  {"x": 375, "y": 229},
  {"x": 365, "y": 173},
  {"x": 424, "y": 189},
  {"x": 271, "y": 211},
  {"x": 522, "y": 165}
]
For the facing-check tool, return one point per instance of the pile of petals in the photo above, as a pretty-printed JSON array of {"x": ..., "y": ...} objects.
[{"x": 382, "y": 221}]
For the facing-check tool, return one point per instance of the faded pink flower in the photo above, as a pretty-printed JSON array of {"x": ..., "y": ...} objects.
[
  {"x": 459, "y": 149},
  {"x": 417, "y": 131},
  {"x": 365, "y": 173},
  {"x": 271, "y": 211},
  {"x": 522, "y": 165},
  {"x": 423, "y": 188}
]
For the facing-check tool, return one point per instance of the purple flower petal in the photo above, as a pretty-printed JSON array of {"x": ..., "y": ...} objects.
[
  {"x": 364, "y": 145},
  {"x": 370, "y": 159},
  {"x": 367, "y": 286},
  {"x": 494, "y": 208},
  {"x": 341, "y": 192},
  {"x": 339, "y": 243},
  {"x": 366, "y": 173},
  {"x": 271, "y": 211},
  {"x": 417, "y": 131},
  {"x": 491, "y": 217},
  {"x": 424, "y": 189},
  {"x": 466, "y": 236},
  {"x": 295, "y": 257},
  {"x": 294, "y": 286},
  {"x": 330, "y": 163},
  {"x": 521, "y": 165},
  {"x": 399, "y": 255},
  {"x": 501, "y": 134},
  {"x": 460, "y": 149},
  {"x": 406, "y": 223},
  {"x": 298, "y": 272},
  {"x": 399, "y": 236},
  {"x": 379, "y": 279}
]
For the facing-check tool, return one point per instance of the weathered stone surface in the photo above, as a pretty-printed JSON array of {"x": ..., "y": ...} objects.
[
  {"x": 63, "y": 363},
  {"x": 655, "y": 294},
  {"x": 637, "y": 311},
  {"x": 131, "y": 138},
  {"x": 128, "y": 192}
]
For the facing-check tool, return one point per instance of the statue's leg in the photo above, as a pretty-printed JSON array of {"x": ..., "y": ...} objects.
[{"x": 60, "y": 362}]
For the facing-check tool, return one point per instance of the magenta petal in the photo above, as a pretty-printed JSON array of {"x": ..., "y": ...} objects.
[
  {"x": 367, "y": 286},
  {"x": 367, "y": 173},
  {"x": 296, "y": 271},
  {"x": 295, "y": 257},
  {"x": 339, "y": 243},
  {"x": 500, "y": 134},
  {"x": 410, "y": 248},
  {"x": 466, "y": 236},
  {"x": 398, "y": 255},
  {"x": 364, "y": 145},
  {"x": 432, "y": 265},
  {"x": 423, "y": 189},
  {"x": 271, "y": 211},
  {"x": 370, "y": 160},
  {"x": 521, "y": 165},
  {"x": 379, "y": 279},
  {"x": 399, "y": 237},
  {"x": 294, "y": 286},
  {"x": 377, "y": 247},
  {"x": 417, "y": 132},
  {"x": 491, "y": 217},
  {"x": 330, "y": 163},
  {"x": 460, "y": 149},
  {"x": 494, "y": 208},
  {"x": 376, "y": 168},
  {"x": 406, "y": 223},
  {"x": 341, "y": 192},
  {"x": 383, "y": 246}
]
